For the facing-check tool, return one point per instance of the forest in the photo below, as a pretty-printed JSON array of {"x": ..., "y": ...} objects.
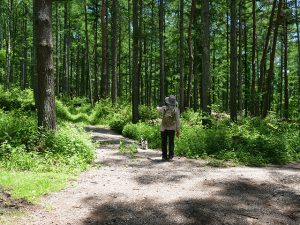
[{"x": 234, "y": 66}]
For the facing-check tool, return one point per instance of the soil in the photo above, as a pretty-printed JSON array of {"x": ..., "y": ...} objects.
[{"x": 121, "y": 189}]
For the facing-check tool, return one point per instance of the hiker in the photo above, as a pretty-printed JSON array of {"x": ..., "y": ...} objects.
[{"x": 169, "y": 126}]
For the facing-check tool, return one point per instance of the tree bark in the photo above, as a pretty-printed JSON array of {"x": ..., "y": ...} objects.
[
  {"x": 96, "y": 64},
  {"x": 286, "y": 84},
  {"x": 205, "y": 56},
  {"x": 104, "y": 51},
  {"x": 253, "y": 61},
  {"x": 267, "y": 95},
  {"x": 114, "y": 50},
  {"x": 240, "y": 63},
  {"x": 233, "y": 61},
  {"x": 135, "y": 59},
  {"x": 44, "y": 48},
  {"x": 298, "y": 45},
  {"x": 161, "y": 52},
  {"x": 191, "y": 52},
  {"x": 181, "y": 57}
]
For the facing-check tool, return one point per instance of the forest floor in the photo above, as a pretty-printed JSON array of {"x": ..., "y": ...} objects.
[{"x": 120, "y": 189}]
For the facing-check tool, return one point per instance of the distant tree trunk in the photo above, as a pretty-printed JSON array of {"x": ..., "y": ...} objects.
[
  {"x": 96, "y": 64},
  {"x": 87, "y": 64},
  {"x": 114, "y": 50},
  {"x": 135, "y": 57},
  {"x": 205, "y": 56},
  {"x": 233, "y": 61},
  {"x": 181, "y": 57},
  {"x": 34, "y": 81},
  {"x": 263, "y": 60},
  {"x": 8, "y": 45},
  {"x": 191, "y": 52},
  {"x": 227, "y": 60},
  {"x": 253, "y": 61},
  {"x": 246, "y": 63},
  {"x": 240, "y": 63},
  {"x": 24, "y": 50},
  {"x": 46, "y": 103},
  {"x": 281, "y": 79},
  {"x": 286, "y": 85},
  {"x": 140, "y": 78},
  {"x": 161, "y": 52},
  {"x": 267, "y": 96},
  {"x": 57, "y": 47},
  {"x": 104, "y": 51},
  {"x": 65, "y": 51},
  {"x": 129, "y": 51}
]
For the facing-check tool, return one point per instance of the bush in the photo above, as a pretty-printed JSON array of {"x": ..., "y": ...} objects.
[{"x": 143, "y": 130}]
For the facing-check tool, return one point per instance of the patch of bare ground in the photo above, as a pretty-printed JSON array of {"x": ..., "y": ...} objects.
[{"x": 144, "y": 190}]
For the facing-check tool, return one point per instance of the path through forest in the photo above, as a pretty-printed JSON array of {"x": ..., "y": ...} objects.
[{"x": 145, "y": 190}]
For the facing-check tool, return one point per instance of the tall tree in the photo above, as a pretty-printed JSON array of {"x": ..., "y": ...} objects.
[
  {"x": 298, "y": 45},
  {"x": 285, "y": 43},
  {"x": 135, "y": 61},
  {"x": 104, "y": 78},
  {"x": 191, "y": 52},
  {"x": 96, "y": 64},
  {"x": 267, "y": 95},
  {"x": 162, "y": 52},
  {"x": 114, "y": 50},
  {"x": 205, "y": 56},
  {"x": 44, "y": 48},
  {"x": 181, "y": 57},
  {"x": 233, "y": 61},
  {"x": 253, "y": 61}
]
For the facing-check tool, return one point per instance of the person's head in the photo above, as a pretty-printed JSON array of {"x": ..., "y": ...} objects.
[{"x": 171, "y": 100}]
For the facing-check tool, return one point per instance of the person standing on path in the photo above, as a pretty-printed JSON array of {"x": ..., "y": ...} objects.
[{"x": 169, "y": 126}]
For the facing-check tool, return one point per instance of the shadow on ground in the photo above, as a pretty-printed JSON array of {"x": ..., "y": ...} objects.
[{"x": 236, "y": 203}]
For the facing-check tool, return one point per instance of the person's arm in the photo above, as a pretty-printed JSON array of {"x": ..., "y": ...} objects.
[{"x": 177, "y": 123}]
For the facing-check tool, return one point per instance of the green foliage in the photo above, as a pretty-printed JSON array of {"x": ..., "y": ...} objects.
[{"x": 143, "y": 130}]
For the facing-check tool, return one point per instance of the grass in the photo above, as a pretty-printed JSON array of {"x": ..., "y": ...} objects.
[{"x": 32, "y": 185}]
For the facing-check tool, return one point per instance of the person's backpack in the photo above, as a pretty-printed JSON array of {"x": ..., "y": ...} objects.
[{"x": 169, "y": 117}]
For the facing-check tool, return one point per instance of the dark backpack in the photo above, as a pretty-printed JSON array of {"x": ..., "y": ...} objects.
[{"x": 169, "y": 117}]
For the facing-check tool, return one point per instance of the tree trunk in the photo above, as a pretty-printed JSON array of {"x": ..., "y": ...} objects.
[
  {"x": 140, "y": 78},
  {"x": 298, "y": 45},
  {"x": 286, "y": 85},
  {"x": 104, "y": 51},
  {"x": 114, "y": 50},
  {"x": 8, "y": 45},
  {"x": 65, "y": 51},
  {"x": 57, "y": 47},
  {"x": 233, "y": 61},
  {"x": 161, "y": 52},
  {"x": 240, "y": 63},
  {"x": 263, "y": 60},
  {"x": 191, "y": 52},
  {"x": 181, "y": 57},
  {"x": 44, "y": 48},
  {"x": 129, "y": 53},
  {"x": 205, "y": 56},
  {"x": 135, "y": 57},
  {"x": 246, "y": 94},
  {"x": 96, "y": 64},
  {"x": 87, "y": 64},
  {"x": 267, "y": 96},
  {"x": 253, "y": 61}
]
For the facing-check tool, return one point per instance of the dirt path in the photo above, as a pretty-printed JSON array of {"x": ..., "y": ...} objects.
[{"x": 145, "y": 190}]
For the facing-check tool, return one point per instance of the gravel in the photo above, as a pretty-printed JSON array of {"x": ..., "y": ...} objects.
[{"x": 120, "y": 189}]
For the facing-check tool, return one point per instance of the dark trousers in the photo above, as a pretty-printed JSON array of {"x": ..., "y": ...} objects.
[{"x": 165, "y": 135}]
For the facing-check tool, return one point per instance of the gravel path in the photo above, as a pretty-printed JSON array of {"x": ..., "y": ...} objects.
[{"x": 145, "y": 190}]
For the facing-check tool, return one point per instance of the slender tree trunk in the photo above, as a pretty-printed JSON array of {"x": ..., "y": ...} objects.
[
  {"x": 114, "y": 50},
  {"x": 246, "y": 94},
  {"x": 8, "y": 45},
  {"x": 263, "y": 60},
  {"x": 181, "y": 57},
  {"x": 87, "y": 64},
  {"x": 233, "y": 61},
  {"x": 104, "y": 51},
  {"x": 140, "y": 78},
  {"x": 57, "y": 47},
  {"x": 135, "y": 57},
  {"x": 281, "y": 79},
  {"x": 96, "y": 64},
  {"x": 191, "y": 52},
  {"x": 253, "y": 61},
  {"x": 240, "y": 63},
  {"x": 286, "y": 84},
  {"x": 65, "y": 51},
  {"x": 46, "y": 103},
  {"x": 162, "y": 52},
  {"x": 129, "y": 52},
  {"x": 205, "y": 56},
  {"x": 267, "y": 96},
  {"x": 227, "y": 57}
]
